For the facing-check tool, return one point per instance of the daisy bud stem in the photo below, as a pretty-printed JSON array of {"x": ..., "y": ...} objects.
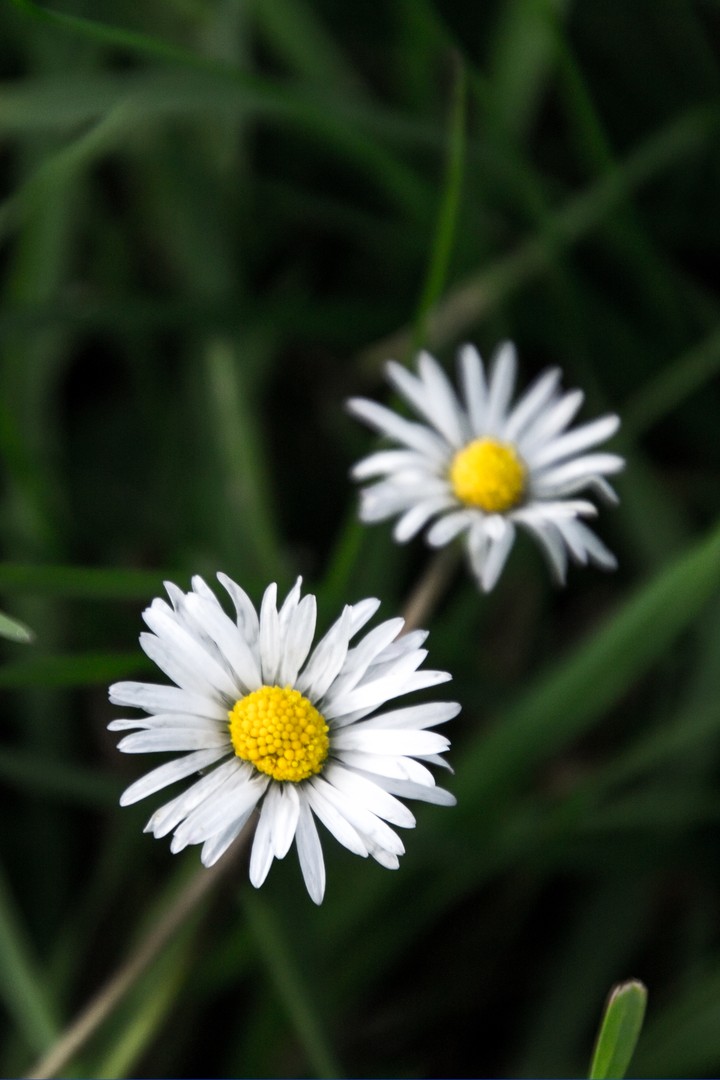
[
  {"x": 426, "y": 594},
  {"x": 111, "y": 994}
]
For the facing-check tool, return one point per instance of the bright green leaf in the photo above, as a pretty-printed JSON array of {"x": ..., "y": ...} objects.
[{"x": 619, "y": 1031}]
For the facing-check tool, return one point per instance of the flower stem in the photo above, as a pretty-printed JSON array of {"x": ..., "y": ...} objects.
[
  {"x": 426, "y": 594},
  {"x": 77, "y": 1033}
]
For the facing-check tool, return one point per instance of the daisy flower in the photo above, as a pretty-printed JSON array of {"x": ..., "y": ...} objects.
[
  {"x": 483, "y": 466},
  {"x": 276, "y": 725}
]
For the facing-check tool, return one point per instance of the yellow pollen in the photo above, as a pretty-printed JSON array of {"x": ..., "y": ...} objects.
[
  {"x": 488, "y": 474},
  {"x": 280, "y": 732}
]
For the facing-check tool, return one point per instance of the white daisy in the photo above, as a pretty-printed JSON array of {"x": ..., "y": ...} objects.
[
  {"x": 484, "y": 466},
  {"x": 277, "y": 725}
]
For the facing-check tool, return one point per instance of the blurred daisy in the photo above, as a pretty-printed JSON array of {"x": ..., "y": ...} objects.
[
  {"x": 484, "y": 466},
  {"x": 276, "y": 725}
]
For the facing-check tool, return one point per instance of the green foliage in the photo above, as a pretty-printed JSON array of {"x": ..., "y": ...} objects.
[
  {"x": 619, "y": 1031},
  {"x": 218, "y": 219}
]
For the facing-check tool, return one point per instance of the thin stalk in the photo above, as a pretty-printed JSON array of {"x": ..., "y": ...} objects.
[
  {"x": 111, "y": 994},
  {"x": 423, "y": 599}
]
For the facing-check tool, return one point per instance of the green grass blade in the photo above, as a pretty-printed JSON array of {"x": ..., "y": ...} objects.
[
  {"x": 79, "y": 669},
  {"x": 449, "y": 206},
  {"x": 474, "y": 298},
  {"x": 80, "y": 582},
  {"x": 289, "y": 984},
  {"x": 677, "y": 382},
  {"x": 561, "y": 706},
  {"x": 296, "y": 33},
  {"x": 41, "y": 775},
  {"x": 619, "y": 1031},
  {"x": 21, "y": 985},
  {"x": 523, "y": 56},
  {"x": 116, "y": 36},
  {"x": 151, "y": 1004},
  {"x": 243, "y": 473}
]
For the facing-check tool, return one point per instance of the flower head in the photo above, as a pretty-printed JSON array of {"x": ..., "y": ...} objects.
[
  {"x": 275, "y": 724},
  {"x": 483, "y": 466}
]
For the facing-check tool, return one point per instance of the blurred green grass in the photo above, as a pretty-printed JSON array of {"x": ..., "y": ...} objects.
[{"x": 217, "y": 219}]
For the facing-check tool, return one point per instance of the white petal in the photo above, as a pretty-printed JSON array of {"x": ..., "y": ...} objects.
[
  {"x": 262, "y": 853},
  {"x": 549, "y": 422},
  {"x": 157, "y": 741},
  {"x": 590, "y": 545},
  {"x": 543, "y": 491},
  {"x": 572, "y": 442},
  {"x": 414, "y": 519},
  {"x": 247, "y": 617},
  {"x": 359, "y": 659},
  {"x": 361, "y": 613},
  {"x": 442, "y": 395},
  {"x": 436, "y": 759},
  {"x": 377, "y": 741},
  {"x": 158, "y": 699},
  {"x": 604, "y": 490},
  {"x": 370, "y": 795},
  {"x": 410, "y": 642},
  {"x": 229, "y": 640},
  {"x": 385, "y": 462},
  {"x": 172, "y": 813},
  {"x": 415, "y": 716},
  {"x": 290, "y": 604},
  {"x": 169, "y": 720},
  {"x": 327, "y": 658},
  {"x": 203, "y": 589},
  {"x": 269, "y": 636},
  {"x": 169, "y": 773},
  {"x": 310, "y": 854},
  {"x": 495, "y": 526},
  {"x": 447, "y": 527},
  {"x": 385, "y": 858},
  {"x": 183, "y": 659},
  {"x": 477, "y": 547},
  {"x": 298, "y": 637},
  {"x": 472, "y": 378},
  {"x": 217, "y": 845},
  {"x": 497, "y": 557},
  {"x": 401, "y": 768},
  {"x": 551, "y": 509},
  {"x": 501, "y": 386},
  {"x": 414, "y": 436},
  {"x": 235, "y": 797},
  {"x": 579, "y": 471},
  {"x": 410, "y": 790},
  {"x": 547, "y": 535},
  {"x": 442, "y": 408},
  {"x": 336, "y": 824},
  {"x": 393, "y": 496},
  {"x": 372, "y": 829},
  {"x": 530, "y": 404},
  {"x": 285, "y": 813},
  {"x": 371, "y": 694}
]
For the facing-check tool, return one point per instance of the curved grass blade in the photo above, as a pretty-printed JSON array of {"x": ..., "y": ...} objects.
[
  {"x": 21, "y": 985},
  {"x": 619, "y": 1031},
  {"x": 80, "y": 582},
  {"x": 471, "y": 300},
  {"x": 560, "y": 706},
  {"x": 449, "y": 206},
  {"x": 276, "y": 955}
]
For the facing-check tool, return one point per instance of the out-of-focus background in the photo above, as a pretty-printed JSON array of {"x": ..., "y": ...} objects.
[{"x": 218, "y": 218}]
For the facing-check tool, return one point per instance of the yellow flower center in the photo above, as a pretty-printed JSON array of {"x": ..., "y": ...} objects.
[
  {"x": 280, "y": 732},
  {"x": 488, "y": 474}
]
